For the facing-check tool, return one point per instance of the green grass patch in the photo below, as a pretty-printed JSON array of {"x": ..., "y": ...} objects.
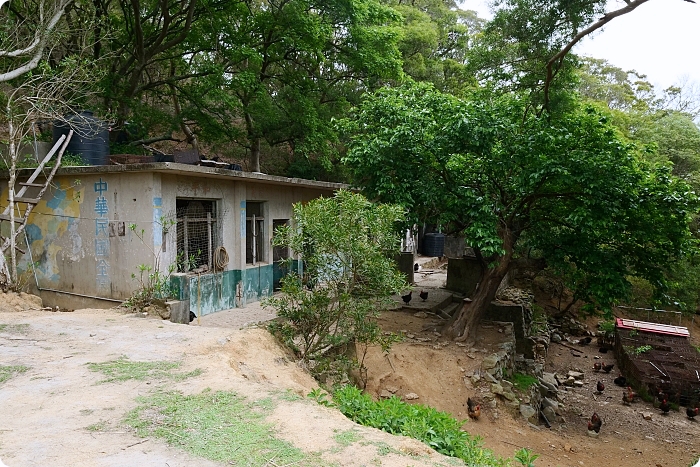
[
  {"x": 99, "y": 426},
  {"x": 21, "y": 328},
  {"x": 124, "y": 369},
  {"x": 522, "y": 382},
  {"x": 347, "y": 437},
  {"x": 7, "y": 372},
  {"x": 220, "y": 426},
  {"x": 437, "y": 429}
]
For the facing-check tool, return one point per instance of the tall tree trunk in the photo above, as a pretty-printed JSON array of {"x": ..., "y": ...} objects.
[
  {"x": 463, "y": 323},
  {"x": 255, "y": 155}
]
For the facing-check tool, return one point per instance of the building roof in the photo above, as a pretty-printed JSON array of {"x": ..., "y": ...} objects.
[
  {"x": 192, "y": 171},
  {"x": 652, "y": 327}
]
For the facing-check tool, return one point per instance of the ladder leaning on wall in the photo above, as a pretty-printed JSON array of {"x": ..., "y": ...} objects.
[{"x": 13, "y": 214}]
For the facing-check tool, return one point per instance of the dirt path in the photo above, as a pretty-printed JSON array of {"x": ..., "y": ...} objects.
[{"x": 55, "y": 414}]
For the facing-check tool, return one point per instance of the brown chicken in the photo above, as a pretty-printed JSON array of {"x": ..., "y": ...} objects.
[
  {"x": 665, "y": 407},
  {"x": 608, "y": 368},
  {"x": 595, "y": 423},
  {"x": 628, "y": 396},
  {"x": 597, "y": 366},
  {"x": 600, "y": 387},
  {"x": 473, "y": 409}
]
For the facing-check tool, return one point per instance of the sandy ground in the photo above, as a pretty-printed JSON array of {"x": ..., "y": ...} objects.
[{"x": 45, "y": 411}]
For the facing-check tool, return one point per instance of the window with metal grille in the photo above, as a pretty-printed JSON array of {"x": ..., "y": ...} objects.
[
  {"x": 254, "y": 232},
  {"x": 197, "y": 233}
]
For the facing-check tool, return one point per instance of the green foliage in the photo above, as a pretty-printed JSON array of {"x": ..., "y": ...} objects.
[
  {"x": 123, "y": 369},
  {"x": 154, "y": 284},
  {"x": 565, "y": 185},
  {"x": 436, "y": 429},
  {"x": 638, "y": 350},
  {"x": 7, "y": 372},
  {"x": 320, "y": 396},
  {"x": 608, "y": 327},
  {"x": 346, "y": 244},
  {"x": 526, "y": 457},
  {"x": 522, "y": 381},
  {"x": 220, "y": 426}
]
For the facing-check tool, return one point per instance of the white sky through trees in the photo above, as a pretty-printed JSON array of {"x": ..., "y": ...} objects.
[{"x": 660, "y": 39}]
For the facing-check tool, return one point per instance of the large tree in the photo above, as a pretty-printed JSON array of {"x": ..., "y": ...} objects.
[{"x": 565, "y": 186}]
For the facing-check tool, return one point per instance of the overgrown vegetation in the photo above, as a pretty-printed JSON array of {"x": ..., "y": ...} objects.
[
  {"x": 347, "y": 245},
  {"x": 123, "y": 369},
  {"x": 7, "y": 372},
  {"x": 220, "y": 426},
  {"x": 437, "y": 429}
]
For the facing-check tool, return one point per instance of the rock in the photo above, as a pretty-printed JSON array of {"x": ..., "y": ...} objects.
[
  {"x": 549, "y": 413},
  {"x": 575, "y": 375},
  {"x": 392, "y": 389},
  {"x": 547, "y": 402},
  {"x": 569, "y": 381},
  {"x": 421, "y": 314},
  {"x": 647, "y": 415},
  {"x": 497, "y": 389},
  {"x": 489, "y": 362},
  {"x": 385, "y": 394},
  {"x": 509, "y": 395},
  {"x": 544, "y": 391},
  {"x": 411, "y": 396},
  {"x": 507, "y": 385},
  {"x": 548, "y": 378},
  {"x": 578, "y": 384},
  {"x": 592, "y": 434},
  {"x": 490, "y": 377},
  {"x": 476, "y": 378},
  {"x": 529, "y": 413}
]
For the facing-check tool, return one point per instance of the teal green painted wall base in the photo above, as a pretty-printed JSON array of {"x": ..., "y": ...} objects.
[{"x": 213, "y": 292}]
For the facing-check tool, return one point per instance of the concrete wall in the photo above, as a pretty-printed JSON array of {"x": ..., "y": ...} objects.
[{"x": 82, "y": 245}]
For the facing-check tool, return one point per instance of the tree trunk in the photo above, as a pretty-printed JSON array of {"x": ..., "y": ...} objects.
[
  {"x": 255, "y": 155},
  {"x": 463, "y": 323}
]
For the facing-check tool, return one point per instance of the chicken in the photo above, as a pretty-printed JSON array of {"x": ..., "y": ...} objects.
[
  {"x": 416, "y": 267},
  {"x": 628, "y": 396},
  {"x": 595, "y": 423},
  {"x": 600, "y": 387},
  {"x": 620, "y": 381},
  {"x": 585, "y": 341},
  {"x": 473, "y": 409},
  {"x": 603, "y": 350},
  {"x": 423, "y": 295},
  {"x": 597, "y": 366},
  {"x": 407, "y": 298},
  {"x": 608, "y": 368},
  {"x": 691, "y": 413},
  {"x": 192, "y": 316},
  {"x": 665, "y": 407}
]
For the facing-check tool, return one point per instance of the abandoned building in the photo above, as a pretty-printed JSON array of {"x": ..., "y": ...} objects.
[{"x": 209, "y": 228}]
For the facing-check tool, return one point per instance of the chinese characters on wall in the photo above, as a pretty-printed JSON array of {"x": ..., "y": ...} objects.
[{"x": 101, "y": 235}]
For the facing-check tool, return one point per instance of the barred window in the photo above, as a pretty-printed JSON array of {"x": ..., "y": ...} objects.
[
  {"x": 254, "y": 232},
  {"x": 197, "y": 233}
]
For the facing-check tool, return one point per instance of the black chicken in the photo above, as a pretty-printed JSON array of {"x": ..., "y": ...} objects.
[
  {"x": 691, "y": 413},
  {"x": 665, "y": 407},
  {"x": 595, "y": 423},
  {"x": 407, "y": 298},
  {"x": 192, "y": 316},
  {"x": 608, "y": 368},
  {"x": 600, "y": 387},
  {"x": 423, "y": 295},
  {"x": 585, "y": 341},
  {"x": 416, "y": 267},
  {"x": 620, "y": 381}
]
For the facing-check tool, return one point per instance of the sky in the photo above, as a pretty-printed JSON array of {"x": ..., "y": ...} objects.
[{"x": 660, "y": 39}]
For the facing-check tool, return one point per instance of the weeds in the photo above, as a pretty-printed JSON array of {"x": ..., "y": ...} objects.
[
  {"x": 21, "y": 328},
  {"x": 522, "y": 382},
  {"x": 99, "y": 426},
  {"x": 123, "y": 369},
  {"x": 7, "y": 372},
  {"x": 220, "y": 426}
]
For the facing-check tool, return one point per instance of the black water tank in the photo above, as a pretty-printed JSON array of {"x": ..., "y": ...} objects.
[
  {"x": 90, "y": 137},
  {"x": 434, "y": 244}
]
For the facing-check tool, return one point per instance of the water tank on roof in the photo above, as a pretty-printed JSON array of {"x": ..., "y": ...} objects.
[
  {"x": 90, "y": 137},
  {"x": 434, "y": 244}
]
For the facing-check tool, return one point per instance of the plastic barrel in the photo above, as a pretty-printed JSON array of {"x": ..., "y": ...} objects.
[
  {"x": 434, "y": 244},
  {"x": 90, "y": 137}
]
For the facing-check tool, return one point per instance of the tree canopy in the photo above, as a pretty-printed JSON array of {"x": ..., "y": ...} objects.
[{"x": 566, "y": 186}]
